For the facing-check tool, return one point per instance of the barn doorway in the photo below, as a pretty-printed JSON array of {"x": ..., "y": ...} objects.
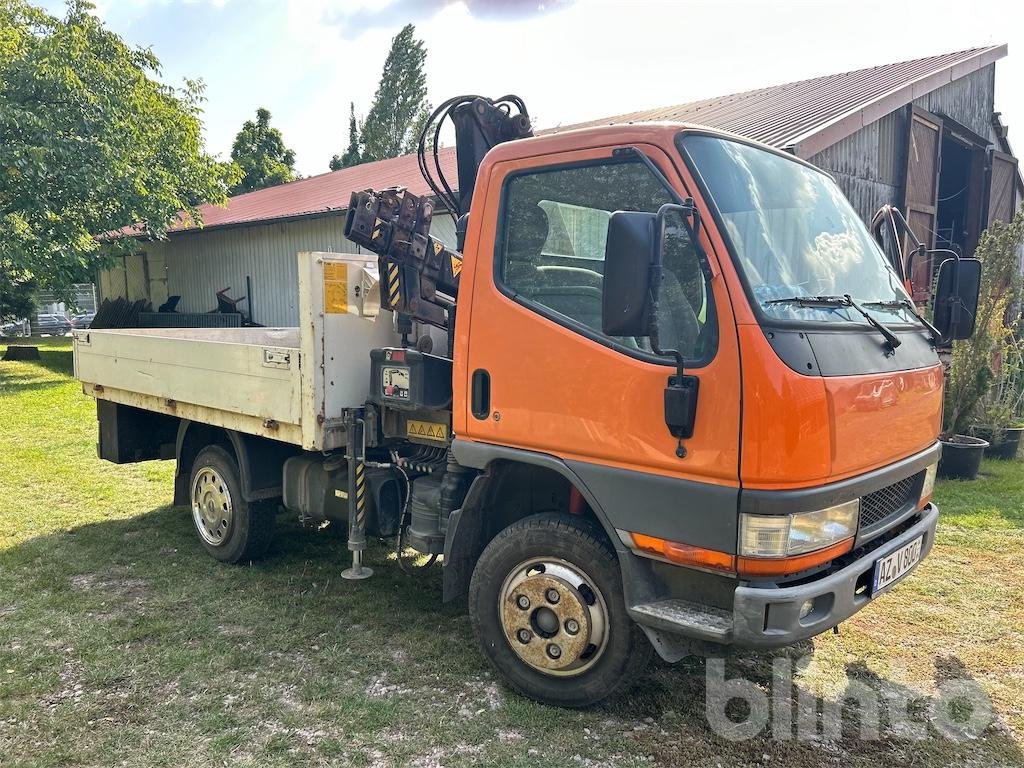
[
  {"x": 953, "y": 222},
  {"x": 955, "y": 186}
]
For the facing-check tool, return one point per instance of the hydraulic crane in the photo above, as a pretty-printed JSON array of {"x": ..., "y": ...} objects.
[{"x": 420, "y": 275}]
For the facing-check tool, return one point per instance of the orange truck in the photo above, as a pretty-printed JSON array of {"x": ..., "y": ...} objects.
[{"x": 667, "y": 393}]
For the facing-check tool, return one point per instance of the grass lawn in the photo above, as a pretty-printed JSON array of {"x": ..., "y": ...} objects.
[{"x": 122, "y": 643}]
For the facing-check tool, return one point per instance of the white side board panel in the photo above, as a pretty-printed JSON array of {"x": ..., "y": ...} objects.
[{"x": 241, "y": 378}]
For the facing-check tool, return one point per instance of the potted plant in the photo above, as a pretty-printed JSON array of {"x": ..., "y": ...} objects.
[
  {"x": 971, "y": 373},
  {"x": 999, "y": 417}
]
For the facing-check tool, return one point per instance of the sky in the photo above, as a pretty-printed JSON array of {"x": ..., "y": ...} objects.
[{"x": 570, "y": 60}]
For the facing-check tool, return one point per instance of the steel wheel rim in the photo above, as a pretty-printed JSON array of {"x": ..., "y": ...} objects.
[
  {"x": 574, "y": 643},
  {"x": 212, "y": 510}
]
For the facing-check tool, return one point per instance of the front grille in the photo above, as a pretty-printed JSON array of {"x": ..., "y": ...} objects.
[{"x": 877, "y": 507}]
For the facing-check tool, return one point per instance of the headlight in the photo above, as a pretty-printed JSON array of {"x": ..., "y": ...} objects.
[
  {"x": 784, "y": 535},
  {"x": 928, "y": 487}
]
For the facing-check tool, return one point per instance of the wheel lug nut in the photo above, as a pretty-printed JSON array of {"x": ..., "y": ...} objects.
[
  {"x": 554, "y": 651},
  {"x": 523, "y": 602},
  {"x": 572, "y": 626},
  {"x": 552, "y": 595},
  {"x": 524, "y": 635}
]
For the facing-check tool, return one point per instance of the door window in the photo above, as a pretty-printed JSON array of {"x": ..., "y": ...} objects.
[{"x": 551, "y": 253}]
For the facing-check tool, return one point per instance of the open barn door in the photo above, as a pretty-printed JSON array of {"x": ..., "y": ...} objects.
[
  {"x": 924, "y": 158},
  {"x": 1002, "y": 177}
]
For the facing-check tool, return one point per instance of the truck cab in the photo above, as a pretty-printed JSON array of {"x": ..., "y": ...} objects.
[{"x": 812, "y": 451}]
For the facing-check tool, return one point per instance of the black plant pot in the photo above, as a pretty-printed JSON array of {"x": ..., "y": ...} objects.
[
  {"x": 961, "y": 457},
  {"x": 1003, "y": 442}
]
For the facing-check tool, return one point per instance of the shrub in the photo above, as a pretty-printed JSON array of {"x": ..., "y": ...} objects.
[{"x": 971, "y": 373}]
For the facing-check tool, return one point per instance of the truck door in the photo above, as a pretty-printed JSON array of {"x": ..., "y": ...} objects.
[{"x": 547, "y": 380}]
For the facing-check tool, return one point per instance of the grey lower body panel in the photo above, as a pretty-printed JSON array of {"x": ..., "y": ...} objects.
[{"x": 674, "y": 508}]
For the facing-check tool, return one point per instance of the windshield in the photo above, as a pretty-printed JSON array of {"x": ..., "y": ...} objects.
[{"x": 794, "y": 234}]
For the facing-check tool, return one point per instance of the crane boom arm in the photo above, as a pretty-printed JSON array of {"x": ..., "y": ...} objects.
[{"x": 420, "y": 275}]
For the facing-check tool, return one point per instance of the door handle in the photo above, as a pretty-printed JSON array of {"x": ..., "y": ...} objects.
[{"x": 480, "y": 395}]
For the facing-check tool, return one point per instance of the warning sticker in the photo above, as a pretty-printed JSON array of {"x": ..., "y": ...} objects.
[
  {"x": 437, "y": 247},
  {"x": 428, "y": 430},
  {"x": 456, "y": 265},
  {"x": 336, "y": 288}
]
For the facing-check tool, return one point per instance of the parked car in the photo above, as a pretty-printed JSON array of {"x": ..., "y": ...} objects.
[
  {"x": 79, "y": 322},
  {"x": 52, "y": 324},
  {"x": 16, "y": 328}
]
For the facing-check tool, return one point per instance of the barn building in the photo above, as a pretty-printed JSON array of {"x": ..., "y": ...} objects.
[{"x": 922, "y": 135}]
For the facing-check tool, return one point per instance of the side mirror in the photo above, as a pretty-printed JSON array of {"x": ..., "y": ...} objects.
[
  {"x": 956, "y": 298},
  {"x": 626, "y": 290}
]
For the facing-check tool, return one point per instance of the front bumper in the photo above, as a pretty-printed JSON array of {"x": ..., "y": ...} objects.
[{"x": 769, "y": 617}]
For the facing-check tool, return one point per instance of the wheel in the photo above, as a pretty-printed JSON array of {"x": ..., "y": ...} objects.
[
  {"x": 229, "y": 528},
  {"x": 546, "y": 604}
]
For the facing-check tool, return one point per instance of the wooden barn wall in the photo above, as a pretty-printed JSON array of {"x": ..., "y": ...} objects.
[
  {"x": 198, "y": 264},
  {"x": 867, "y": 164},
  {"x": 970, "y": 100}
]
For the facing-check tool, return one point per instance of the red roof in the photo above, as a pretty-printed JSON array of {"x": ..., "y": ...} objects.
[
  {"x": 805, "y": 117},
  {"x": 320, "y": 194}
]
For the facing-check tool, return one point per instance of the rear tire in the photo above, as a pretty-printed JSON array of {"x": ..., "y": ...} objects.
[
  {"x": 546, "y": 604},
  {"x": 230, "y": 529}
]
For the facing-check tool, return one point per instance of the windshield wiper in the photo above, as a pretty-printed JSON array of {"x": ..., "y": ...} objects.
[
  {"x": 890, "y": 337},
  {"x": 841, "y": 301},
  {"x": 811, "y": 301},
  {"x": 909, "y": 307}
]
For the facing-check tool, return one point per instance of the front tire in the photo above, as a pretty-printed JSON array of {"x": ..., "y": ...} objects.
[
  {"x": 546, "y": 604},
  {"x": 230, "y": 529}
]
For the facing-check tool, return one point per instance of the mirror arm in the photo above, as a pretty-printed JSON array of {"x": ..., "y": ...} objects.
[
  {"x": 628, "y": 151},
  {"x": 899, "y": 225},
  {"x": 689, "y": 210}
]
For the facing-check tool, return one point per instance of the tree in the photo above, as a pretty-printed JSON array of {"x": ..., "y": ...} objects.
[
  {"x": 352, "y": 154},
  {"x": 92, "y": 142},
  {"x": 260, "y": 152},
  {"x": 17, "y": 293},
  {"x": 400, "y": 101}
]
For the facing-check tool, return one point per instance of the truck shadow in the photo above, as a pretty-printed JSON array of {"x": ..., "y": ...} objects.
[{"x": 138, "y": 585}]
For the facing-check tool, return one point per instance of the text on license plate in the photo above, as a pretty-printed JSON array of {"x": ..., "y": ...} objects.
[{"x": 891, "y": 567}]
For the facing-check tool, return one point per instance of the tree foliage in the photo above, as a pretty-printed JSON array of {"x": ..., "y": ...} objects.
[
  {"x": 91, "y": 142},
  {"x": 260, "y": 152},
  {"x": 353, "y": 155},
  {"x": 400, "y": 103},
  {"x": 17, "y": 292},
  {"x": 971, "y": 373}
]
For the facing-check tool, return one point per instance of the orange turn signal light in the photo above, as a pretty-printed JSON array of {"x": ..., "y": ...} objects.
[
  {"x": 722, "y": 562},
  {"x": 781, "y": 566},
  {"x": 685, "y": 554}
]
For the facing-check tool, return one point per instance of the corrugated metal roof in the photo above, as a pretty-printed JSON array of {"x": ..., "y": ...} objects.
[
  {"x": 804, "y": 117},
  {"x": 828, "y": 108}
]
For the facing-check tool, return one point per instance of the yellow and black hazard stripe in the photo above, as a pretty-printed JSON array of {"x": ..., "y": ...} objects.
[
  {"x": 394, "y": 291},
  {"x": 360, "y": 494}
]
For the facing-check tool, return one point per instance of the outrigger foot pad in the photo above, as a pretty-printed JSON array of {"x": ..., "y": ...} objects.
[{"x": 358, "y": 571}]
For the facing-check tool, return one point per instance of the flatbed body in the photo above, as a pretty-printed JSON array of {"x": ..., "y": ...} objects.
[{"x": 286, "y": 384}]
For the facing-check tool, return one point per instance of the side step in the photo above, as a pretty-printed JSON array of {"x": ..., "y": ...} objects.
[{"x": 703, "y": 622}]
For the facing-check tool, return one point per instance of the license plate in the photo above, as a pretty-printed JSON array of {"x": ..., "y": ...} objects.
[{"x": 891, "y": 568}]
